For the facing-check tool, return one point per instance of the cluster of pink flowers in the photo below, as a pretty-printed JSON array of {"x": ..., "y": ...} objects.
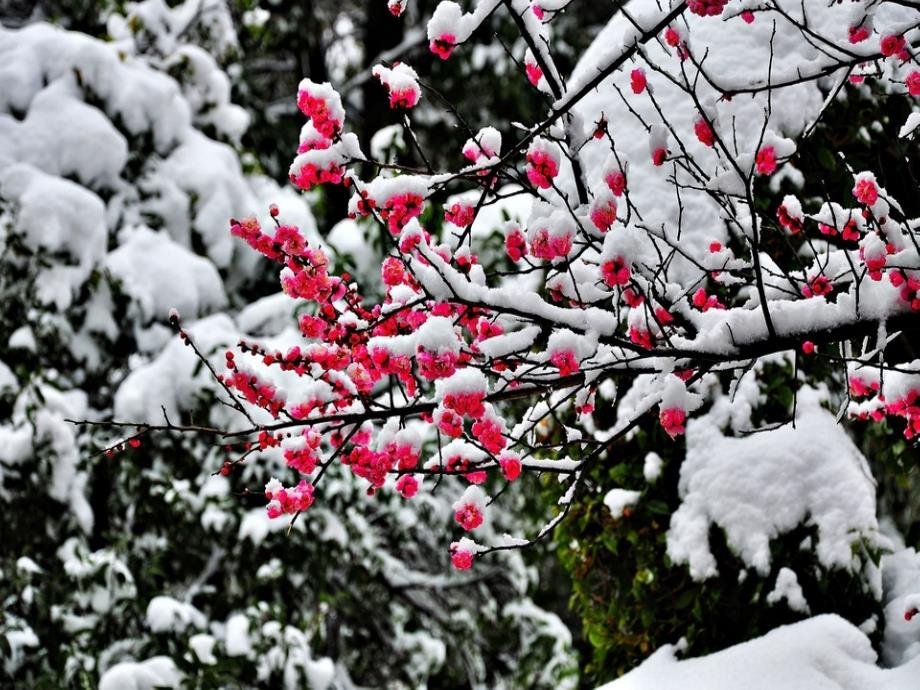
[
  {"x": 910, "y": 288},
  {"x": 404, "y": 456},
  {"x": 436, "y": 365},
  {"x": 460, "y": 214},
  {"x": 850, "y": 231},
  {"x": 288, "y": 501},
  {"x": 819, "y": 286},
  {"x": 466, "y": 404},
  {"x": 489, "y": 432},
  {"x": 314, "y": 103},
  {"x": 908, "y": 408},
  {"x": 304, "y": 458},
  {"x": 399, "y": 209},
  {"x": 704, "y": 302},
  {"x": 565, "y": 361},
  {"x": 707, "y": 8},
  {"x": 616, "y": 272},
  {"x": 542, "y": 165},
  {"x": 369, "y": 464},
  {"x": 549, "y": 246},
  {"x": 310, "y": 175},
  {"x": 257, "y": 392}
]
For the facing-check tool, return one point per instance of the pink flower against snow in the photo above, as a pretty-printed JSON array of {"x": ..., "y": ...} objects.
[
  {"x": 913, "y": 83},
  {"x": 616, "y": 272},
  {"x": 466, "y": 404},
  {"x": 865, "y": 190},
  {"x": 401, "y": 82},
  {"x": 490, "y": 434},
  {"x": 858, "y": 34},
  {"x": 462, "y": 553},
  {"x": 511, "y": 465},
  {"x": 603, "y": 213},
  {"x": 533, "y": 69},
  {"x": 566, "y": 362},
  {"x": 443, "y": 45},
  {"x": 515, "y": 244},
  {"x": 460, "y": 214},
  {"x": 469, "y": 510},
  {"x": 704, "y": 132},
  {"x": 819, "y": 286},
  {"x": 707, "y": 8},
  {"x": 766, "y": 161},
  {"x": 322, "y": 105},
  {"x": 616, "y": 181},
  {"x": 637, "y": 80},
  {"x": 289, "y": 501},
  {"x": 704, "y": 302},
  {"x": 672, "y": 421},
  {"x": 894, "y": 44},
  {"x": 407, "y": 486},
  {"x": 542, "y": 163}
]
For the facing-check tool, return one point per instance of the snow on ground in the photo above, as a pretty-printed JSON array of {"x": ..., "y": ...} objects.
[{"x": 821, "y": 653}]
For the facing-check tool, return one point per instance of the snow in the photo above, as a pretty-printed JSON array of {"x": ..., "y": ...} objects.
[
  {"x": 202, "y": 646},
  {"x": 651, "y": 469},
  {"x": 821, "y": 653},
  {"x": 19, "y": 641},
  {"x": 165, "y": 614},
  {"x": 788, "y": 588},
  {"x": 158, "y": 672},
  {"x": 160, "y": 275},
  {"x": 56, "y": 215},
  {"x": 618, "y": 500},
  {"x": 758, "y": 486},
  {"x": 236, "y": 635},
  {"x": 173, "y": 378}
]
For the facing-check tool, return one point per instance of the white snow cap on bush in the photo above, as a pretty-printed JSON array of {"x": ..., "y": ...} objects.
[{"x": 759, "y": 486}]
